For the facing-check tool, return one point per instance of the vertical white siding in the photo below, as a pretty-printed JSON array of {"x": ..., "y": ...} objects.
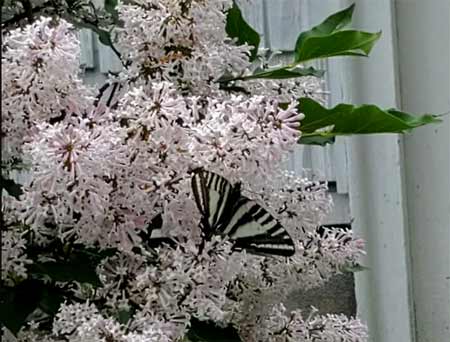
[
  {"x": 284, "y": 22},
  {"x": 424, "y": 55},
  {"x": 377, "y": 199},
  {"x": 108, "y": 60},
  {"x": 87, "y": 49}
]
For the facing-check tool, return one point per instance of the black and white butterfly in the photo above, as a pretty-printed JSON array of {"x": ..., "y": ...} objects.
[{"x": 224, "y": 211}]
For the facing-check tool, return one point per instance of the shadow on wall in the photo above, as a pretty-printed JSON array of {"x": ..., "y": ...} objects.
[{"x": 337, "y": 296}]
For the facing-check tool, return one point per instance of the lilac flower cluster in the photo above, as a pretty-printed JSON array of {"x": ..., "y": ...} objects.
[{"x": 100, "y": 175}]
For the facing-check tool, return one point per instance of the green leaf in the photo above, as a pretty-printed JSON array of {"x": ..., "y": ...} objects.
[
  {"x": 237, "y": 27},
  {"x": 316, "y": 140},
  {"x": 104, "y": 37},
  {"x": 110, "y": 7},
  {"x": 349, "y": 119},
  {"x": 346, "y": 119},
  {"x": 17, "y": 303},
  {"x": 343, "y": 43},
  {"x": 328, "y": 39},
  {"x": 123, "y": 316},
  {"x": 11, "y": 187},
  {"x": 73, "y": 270},
  {"x": 95, "y": 255},
  {"x": 51, "y": 300},
  {"x": 234, "y": 89},
  {"x": 286, "y": 72},
  {"x": 335, "y": 22},
  {"x": 80, "y": 265},
  {"x": 208, "y": 331},
  {"x": 279, "y": 73}
]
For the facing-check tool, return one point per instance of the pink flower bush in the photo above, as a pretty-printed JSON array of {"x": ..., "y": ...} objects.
[{"x": 100, "y": 175}]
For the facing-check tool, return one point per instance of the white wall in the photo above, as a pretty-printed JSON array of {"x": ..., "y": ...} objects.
[
  {"x": 400, "y": 186},
  {"x": 424, "y": 61},
  {"x": 377, "y": 201}
]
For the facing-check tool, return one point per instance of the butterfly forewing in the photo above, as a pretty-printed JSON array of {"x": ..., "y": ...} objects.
[
  {"x": 213, "y": 195},
  {"x": 225, "y": 212}
]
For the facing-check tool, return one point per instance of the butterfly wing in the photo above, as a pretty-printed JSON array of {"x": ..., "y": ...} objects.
[
  {"x": 110, "y": 94},
  {"x": 215, "y": 198},
  {"x": 254, "y": 229},
  {"x": 225, "y": 212}
]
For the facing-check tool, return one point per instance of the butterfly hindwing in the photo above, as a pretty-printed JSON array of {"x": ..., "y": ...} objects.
[
  {"x": 226, "y": 212},
  {"x": 277, "y": 244},
  {"x": 254, "y": 229}
]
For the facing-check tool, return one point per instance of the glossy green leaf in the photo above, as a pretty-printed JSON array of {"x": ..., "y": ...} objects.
[
  {"x": 329, "y": 39},
  {"x": 343, "y": 43},
  {"x": 347, "y": 119},
  {"x": 11, "y": 187},
  {"x": 334, "y": 22},
  {"x": 237, "y": 27},
  {"x": 207, "y": 331}
]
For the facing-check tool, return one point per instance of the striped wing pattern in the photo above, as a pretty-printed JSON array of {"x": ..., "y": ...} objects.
[
  {"x": 109, "y": 94},
  {"x": 225, "y": 212}
]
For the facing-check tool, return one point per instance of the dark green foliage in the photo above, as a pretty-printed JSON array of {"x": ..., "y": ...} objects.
[
  {"x": 237, "y": 27},
  {"x": 17, "y": 303},
  {"x": 73, "y": 270},
  {"x": 202, "y": 331},
  {"x": 11, "y": 187},
  {"x": 279, "y": 73},
  {"x": 39, "y": 291},
  {"x": 316, "y": 140}
]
